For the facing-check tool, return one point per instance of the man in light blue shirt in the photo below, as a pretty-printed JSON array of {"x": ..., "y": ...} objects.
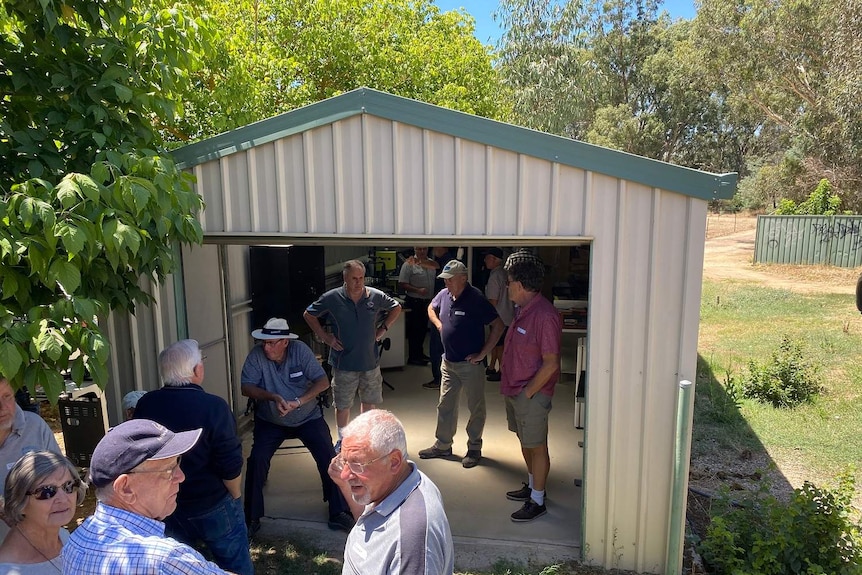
[{"x": 135, "y": 470}]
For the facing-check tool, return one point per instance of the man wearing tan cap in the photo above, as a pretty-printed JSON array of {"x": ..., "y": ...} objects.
[{"x": 460, "y": 313}]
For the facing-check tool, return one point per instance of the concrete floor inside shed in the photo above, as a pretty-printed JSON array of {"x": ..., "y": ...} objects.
[{"x": 474, "y": 499}]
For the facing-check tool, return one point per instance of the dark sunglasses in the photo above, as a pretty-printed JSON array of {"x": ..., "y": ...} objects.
[{"x": 49, "y": 491}]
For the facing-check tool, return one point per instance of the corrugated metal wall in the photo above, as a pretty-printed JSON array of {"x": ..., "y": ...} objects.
[
  {"x": 823, "y": 240},
  {"x": 365, "y": 177}
]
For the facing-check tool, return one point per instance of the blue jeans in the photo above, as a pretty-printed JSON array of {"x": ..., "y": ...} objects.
[
  {"x": 222, "y": 528},
  {"x": 267, "y": 437}
]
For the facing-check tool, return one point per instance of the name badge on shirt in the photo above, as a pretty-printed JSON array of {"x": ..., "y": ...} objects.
[
  {"x": 522, "y": 331},
  {"x": 297, "y": 374},
  {"x": 459, "y": 312}
]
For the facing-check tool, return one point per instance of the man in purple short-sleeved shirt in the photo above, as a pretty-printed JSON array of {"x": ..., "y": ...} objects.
[{"x": 530, "y": 369}]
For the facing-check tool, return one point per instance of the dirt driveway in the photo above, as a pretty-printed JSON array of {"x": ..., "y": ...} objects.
[{"x": 730, "y": 251}]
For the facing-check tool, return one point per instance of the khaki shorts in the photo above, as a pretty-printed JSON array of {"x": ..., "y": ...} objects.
[
  {"x": 528, "y": 418},
  {"x": 346, "y": 383}
]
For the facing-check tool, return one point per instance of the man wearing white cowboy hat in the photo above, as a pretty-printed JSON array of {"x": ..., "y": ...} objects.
[{"x": 284, "y": 378}]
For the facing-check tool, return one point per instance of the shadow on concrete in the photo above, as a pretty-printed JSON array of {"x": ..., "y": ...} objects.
[{"x": 474, "y": 498}]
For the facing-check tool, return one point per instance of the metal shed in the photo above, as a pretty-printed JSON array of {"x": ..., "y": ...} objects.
[{"x": 368, "y": 167}]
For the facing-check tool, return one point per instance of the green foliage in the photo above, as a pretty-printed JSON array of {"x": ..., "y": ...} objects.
[
  {"x": 813, "y": 533},
  {"x": 89, "y": 205},
  {"x": 788, "y": 380},
  {"x": 274, "y": 56},
  {"x": 821, "y": 202}
]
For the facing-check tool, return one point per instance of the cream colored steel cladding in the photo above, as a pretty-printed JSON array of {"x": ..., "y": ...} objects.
[{"x": 367, "y": 168}]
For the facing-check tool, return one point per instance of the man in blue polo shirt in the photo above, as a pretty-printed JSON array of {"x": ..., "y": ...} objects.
[
  {"x": 284, "y": 378},
  {"x": 358, "y": 317},
  {"x": 460, "y": 313}
]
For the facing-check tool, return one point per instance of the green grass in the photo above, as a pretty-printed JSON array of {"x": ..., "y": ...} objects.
[
  {"x": 297, "y": 556},
  {"x": 740, "y": 322}
]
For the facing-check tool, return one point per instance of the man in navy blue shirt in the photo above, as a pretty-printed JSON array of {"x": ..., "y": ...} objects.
[
  {"x": 208, "y": 504},
  {"x": 460, "y": 313},
  {"x": 284, "y": 378}
]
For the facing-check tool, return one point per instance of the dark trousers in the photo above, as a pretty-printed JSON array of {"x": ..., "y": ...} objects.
[
  {"x": 267, "y": 437},
  {"x": 416, "y": 326},
  {"x": 435, "y": 351}
]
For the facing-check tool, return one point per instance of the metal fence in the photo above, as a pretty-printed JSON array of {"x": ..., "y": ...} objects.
[{"x": 821, "y": 240}]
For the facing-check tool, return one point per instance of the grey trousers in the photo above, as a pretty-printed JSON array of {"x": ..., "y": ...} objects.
[{"x": 470, "y": 377}]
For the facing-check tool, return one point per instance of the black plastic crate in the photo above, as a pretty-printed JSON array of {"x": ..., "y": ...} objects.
[{"x": 83, "y": 423}]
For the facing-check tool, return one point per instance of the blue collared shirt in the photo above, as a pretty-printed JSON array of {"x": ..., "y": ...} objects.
[
  {"x": 113, "y": 540},
  {"x": 355, "y": 324},
  {"x": 290, "y": 379}
]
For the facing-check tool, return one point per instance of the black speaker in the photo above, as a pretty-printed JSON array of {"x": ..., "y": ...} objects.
[{"x": 284, "y": 280}]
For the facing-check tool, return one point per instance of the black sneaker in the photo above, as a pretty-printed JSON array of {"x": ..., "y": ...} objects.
[
  {"x": 343, "y": 521},
  {"x": 528, "y": 512},
  {"x": 472, "y": 458},
  {"x": 522, "y": 494},
  {"x": 434, "y": 451},
  {"x": 490, "y": 370},
  {"x": 433, "y": 384},
  {"x": 253, "y": 527},
  {"x": 494, "y": 376}
]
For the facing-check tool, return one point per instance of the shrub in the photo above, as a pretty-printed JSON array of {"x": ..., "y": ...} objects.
[
  {"x": 811, "y": 534},
  {"x": 787, "y": 380}
]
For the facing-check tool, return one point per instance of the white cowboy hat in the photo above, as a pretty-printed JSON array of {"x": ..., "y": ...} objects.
[{"x": 275, "y": 328}]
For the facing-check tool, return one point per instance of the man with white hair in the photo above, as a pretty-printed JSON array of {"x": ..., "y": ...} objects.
[
  {"x": 401, "y": 526},
  {"x": 135, "y": 470},
  {"x": 209, "y": 505}
]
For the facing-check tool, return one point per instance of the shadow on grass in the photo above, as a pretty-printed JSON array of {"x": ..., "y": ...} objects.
[
  {"x": 726, "y": 452},
  {"x": 293, "y": 555}
]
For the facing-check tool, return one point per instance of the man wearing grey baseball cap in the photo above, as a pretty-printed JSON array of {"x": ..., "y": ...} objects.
[{"x": 135, "y": 470}]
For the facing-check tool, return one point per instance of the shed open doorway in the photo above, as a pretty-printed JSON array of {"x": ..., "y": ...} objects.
[{"x": 475, "y": 498}]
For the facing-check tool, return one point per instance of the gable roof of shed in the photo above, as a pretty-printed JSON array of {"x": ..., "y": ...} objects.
[{"x": 646, "y": 171}]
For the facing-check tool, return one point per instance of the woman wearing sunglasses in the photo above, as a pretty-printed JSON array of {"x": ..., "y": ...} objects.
[{"x": 42, "y": 490}]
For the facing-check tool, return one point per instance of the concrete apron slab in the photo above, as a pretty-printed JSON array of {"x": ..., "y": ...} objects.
[{"x": 475, "y": 499}]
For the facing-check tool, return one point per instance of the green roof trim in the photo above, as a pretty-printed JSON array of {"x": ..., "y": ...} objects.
[{"x": 653, "y": 173}]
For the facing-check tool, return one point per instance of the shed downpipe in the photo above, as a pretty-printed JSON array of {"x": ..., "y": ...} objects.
[{"x": 682, "y": 445}]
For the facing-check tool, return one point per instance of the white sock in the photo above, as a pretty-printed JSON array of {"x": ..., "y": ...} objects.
[
  {"x": 538, "y": 496},
  {"x": 340, "y": 429},
  {"x": 530, "y": 480}
]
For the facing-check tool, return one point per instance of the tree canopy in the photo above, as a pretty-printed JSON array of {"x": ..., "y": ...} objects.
[
  {"x": 274, "y": 56},
  {"x": 769, "y": 89},
  {"x": 89, "y": 203}
]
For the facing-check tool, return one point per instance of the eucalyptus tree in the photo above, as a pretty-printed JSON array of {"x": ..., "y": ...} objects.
[
  {"x": 798, "y": 64},
  {"x": 89, "y": 203},
  {"x": 617, "y": 73}
]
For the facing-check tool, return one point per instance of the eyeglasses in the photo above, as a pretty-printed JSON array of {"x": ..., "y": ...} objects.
[
  {"x": 171, "y": 471},
  {"x": 272, "y": 342},
  {"x": 357, "y": 468},
  {"x": 49, "y": 491}
]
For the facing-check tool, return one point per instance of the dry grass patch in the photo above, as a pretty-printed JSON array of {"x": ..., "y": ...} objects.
[
  {"x": 811, "y": 273},
  {"x": 718, "y": 225}
]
